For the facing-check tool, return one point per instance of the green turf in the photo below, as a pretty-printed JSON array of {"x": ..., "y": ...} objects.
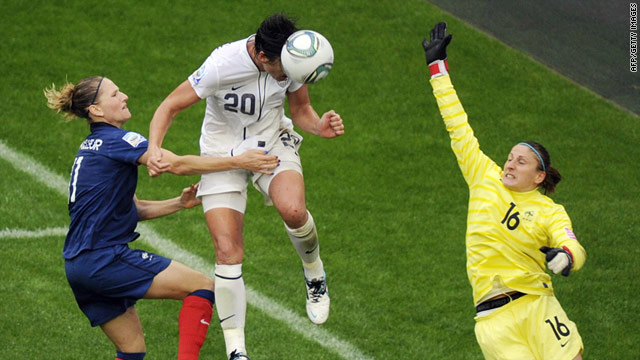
[{"x": 388, "y": 198}]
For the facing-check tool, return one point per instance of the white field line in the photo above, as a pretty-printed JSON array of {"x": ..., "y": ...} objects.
[
  {"x": 165, "y": 246},
  {"x": 21, "y": 234}
]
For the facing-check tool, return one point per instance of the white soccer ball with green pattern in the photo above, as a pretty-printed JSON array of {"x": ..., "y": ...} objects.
[{"x": 307, "y": 57}]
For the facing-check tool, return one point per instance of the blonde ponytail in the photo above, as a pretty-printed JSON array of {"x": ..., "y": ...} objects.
[
  {"x": 74, "y": 100},
  {"x": 61, "y": 100}
]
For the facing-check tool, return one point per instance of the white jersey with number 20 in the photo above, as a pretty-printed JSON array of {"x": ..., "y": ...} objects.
[{"x": 242, "y": 101}]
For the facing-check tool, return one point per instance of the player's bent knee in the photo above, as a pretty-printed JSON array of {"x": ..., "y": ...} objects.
[
  {"x": 194, "y": 282},
  {"x": 228, "y": 250},
  {"x": 295, "y": 217},
  {"x": 229, "y": 254},
  {"x": 125, "y": 332}
]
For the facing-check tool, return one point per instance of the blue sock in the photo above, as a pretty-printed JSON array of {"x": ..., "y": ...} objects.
[
  {"x": 130, "y": 356},
  {"x": 205, "y": 294}
]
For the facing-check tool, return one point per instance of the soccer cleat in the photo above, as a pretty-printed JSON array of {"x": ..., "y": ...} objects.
[
  {"x": 317, "y": 299},
  {"x": 237, "y": 355}
]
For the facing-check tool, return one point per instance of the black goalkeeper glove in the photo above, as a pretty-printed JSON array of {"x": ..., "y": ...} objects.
[
  {"x": 436, "y": 50},
  {"x": 558, "y": 260}
]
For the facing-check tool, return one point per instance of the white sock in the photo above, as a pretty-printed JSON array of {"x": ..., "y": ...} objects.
[
  {"x": 231, "y": 303},
  {"x": 305, "y": 241},
  {"x": 314, "y": 270}
]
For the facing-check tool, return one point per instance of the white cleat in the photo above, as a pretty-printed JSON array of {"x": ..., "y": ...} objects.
[
  {"x": 237, "y": 355},
  {"x": 317, "y": 300}
]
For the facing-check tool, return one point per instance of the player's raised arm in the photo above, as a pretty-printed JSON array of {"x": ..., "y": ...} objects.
[
  {"x": 465, "y": 146},
  {"x": 179, "y": 99},
  {"x": 330, "y": 125}
]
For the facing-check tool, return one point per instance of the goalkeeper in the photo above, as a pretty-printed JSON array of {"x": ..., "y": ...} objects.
[{"x": 512, "y": 230}]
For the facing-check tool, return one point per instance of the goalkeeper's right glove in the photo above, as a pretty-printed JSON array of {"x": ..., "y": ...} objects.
[{"x": 436, "y": 50}]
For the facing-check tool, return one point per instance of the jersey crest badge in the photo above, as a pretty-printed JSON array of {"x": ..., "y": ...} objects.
[
  {"x": 197, "y": 76},
  {"x": 133, "y": 138},
  {"x": 570, "y": 234},
  {"x": 528, "y": 215}
]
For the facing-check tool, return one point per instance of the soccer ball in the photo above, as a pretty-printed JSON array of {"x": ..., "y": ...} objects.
[{"x": 307, "y": 57}]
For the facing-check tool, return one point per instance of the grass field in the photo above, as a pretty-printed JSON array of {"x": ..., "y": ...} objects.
[{"x": 388, "y": 197}]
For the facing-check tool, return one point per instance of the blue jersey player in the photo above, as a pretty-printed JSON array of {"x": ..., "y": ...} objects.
[{"x": 106, "y": 276}]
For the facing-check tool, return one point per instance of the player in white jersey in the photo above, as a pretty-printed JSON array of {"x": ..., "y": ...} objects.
[{"x": 245, "y": 90}]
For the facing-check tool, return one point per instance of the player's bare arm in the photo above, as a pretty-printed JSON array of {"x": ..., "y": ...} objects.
[
  {"x": 179, "y": 99},
  {"x": 151, "y": 209},
  {"x": 305, "y": 117},
  {"x": 252, "y": 160}
]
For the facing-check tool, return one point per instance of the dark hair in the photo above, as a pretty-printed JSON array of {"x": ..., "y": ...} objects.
[
  {"x": 272, "y": 35},
  {"x": 553, "y": 176},
  {"x": 74, "y": 100}
]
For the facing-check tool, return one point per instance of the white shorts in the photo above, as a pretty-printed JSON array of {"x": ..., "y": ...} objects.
[{"x": 228, "y": 189}]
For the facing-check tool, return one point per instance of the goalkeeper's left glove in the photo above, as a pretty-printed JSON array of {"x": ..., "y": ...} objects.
[{"x": 558, "y": 260}]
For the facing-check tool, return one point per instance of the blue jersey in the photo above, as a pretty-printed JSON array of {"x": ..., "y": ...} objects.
[{"x": 103, "y": 182}]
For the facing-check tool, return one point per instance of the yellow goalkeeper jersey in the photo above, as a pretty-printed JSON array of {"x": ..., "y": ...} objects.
[{"x": 505, "y": 229}]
